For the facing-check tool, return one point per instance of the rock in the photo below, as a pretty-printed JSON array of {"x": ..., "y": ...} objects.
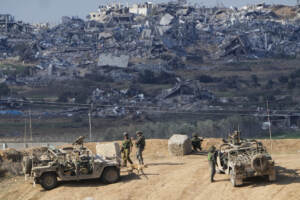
[
  {"x": 109, "y": 150},
  {"x": 179, "y": 145}
]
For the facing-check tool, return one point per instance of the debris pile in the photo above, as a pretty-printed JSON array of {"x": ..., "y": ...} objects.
[
  {"x": 119, "y": 43},
  {"x": 120, "y": 36}
]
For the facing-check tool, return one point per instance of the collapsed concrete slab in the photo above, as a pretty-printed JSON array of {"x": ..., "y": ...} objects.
[
  {"x": 114, "y": 61},
  {"x": 166, "y": 19},
  {"x": 109, "y": 150},
  {"x": 179, "y": 145}
]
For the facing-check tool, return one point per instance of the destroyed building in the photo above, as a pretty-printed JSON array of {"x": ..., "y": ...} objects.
[{"x": 118, "y": 42}]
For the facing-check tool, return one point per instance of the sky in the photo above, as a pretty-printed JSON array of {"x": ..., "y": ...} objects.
[{"x": 41, "y": 11}]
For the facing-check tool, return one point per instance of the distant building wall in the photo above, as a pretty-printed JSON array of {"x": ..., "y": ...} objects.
[
  {"x": 94, "y": 16},
  {"x": 139, "y": 11}
]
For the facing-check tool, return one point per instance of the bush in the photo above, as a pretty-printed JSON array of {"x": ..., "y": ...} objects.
[
  {"x": 149, "y": 77},
  {"x": 4, "y": 90},
  {"x": 254, "y": 79},
  {"x": 295, "y": 74},
  {"x": 63, "y": 97},
  {"x": 231, "y": 82},
  {"x": 99, "y": 78},
  {"x": 269, "y": 84},
  {"x": 283, "y": 79},
  {"x": 291, "y": 84},
  {"x": 205, "y": 79}
]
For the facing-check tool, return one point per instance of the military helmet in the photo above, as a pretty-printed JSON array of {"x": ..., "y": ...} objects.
[
  {"x": 194, "y": 135},
  {"x": 212, "y": 148},
  {"x": 139, "y": 132},
  {"x": 125, "y": 134}
]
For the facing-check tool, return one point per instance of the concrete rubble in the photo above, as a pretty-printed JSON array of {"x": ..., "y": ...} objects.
[
  {"x": 120, "y": 42},
  {"x": 252, "y": 32}
]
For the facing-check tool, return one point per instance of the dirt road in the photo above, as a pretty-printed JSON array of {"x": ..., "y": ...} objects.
[{"x": 169, "y": 178}]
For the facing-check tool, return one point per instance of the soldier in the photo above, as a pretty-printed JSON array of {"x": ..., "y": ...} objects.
[
  {"x": 140, "y": 146},
  {"x": 234, "y": 138},
  {"x": 126, "y": 149},
  {"x": 196, "y": 142},
  {"x": 212, "y": 161}
]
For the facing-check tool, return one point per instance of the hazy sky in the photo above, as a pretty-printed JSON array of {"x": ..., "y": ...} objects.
[{"x": 52, "y": 10}]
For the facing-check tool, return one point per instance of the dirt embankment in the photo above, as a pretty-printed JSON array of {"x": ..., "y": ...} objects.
[{"x": 169, "y": 177}]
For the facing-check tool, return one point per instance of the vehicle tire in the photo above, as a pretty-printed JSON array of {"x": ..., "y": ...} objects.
[
  {"x": 259, "y": 163},
  {"x": 110, "y": 175},
  {"x": 48, "y": 181},
  {"x": 234, "y": 181}
]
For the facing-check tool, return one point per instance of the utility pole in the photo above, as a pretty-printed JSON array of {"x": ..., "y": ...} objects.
[
  {"x": 30, "y": 126},
  {"x": 25, "y": 131},
  {"x": 270, "y": 132},
  {"x": 90, "y": 122}
]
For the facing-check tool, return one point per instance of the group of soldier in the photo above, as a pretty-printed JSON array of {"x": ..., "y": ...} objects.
[
  {"x": 127, "y": 146},
  {"x": 140, "y": 143}
]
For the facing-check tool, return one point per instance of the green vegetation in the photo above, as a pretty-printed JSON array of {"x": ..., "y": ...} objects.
[{"x": 4, "y": 90}]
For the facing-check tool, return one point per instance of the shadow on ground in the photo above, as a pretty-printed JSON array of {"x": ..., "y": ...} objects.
[
  {"x": 284, "y": 177},
  {"x": 199, "y": 153},
  {"x": 164, "y": 163},
  {"x": 97, "y": 182},
  {"x": 82, "y": 183}
]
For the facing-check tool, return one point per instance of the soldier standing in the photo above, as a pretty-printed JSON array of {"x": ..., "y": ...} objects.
[
  {"x": 126, "y": 149},
  {"x": 196, "y": 142},
  {"x": 140, "y": 146},
  {"x": 212, "y": 162}
]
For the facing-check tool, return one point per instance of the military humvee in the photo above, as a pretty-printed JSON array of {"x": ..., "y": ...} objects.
[
  {"x": 244, "y": 158},
  {"x": 69, "y": 164}
]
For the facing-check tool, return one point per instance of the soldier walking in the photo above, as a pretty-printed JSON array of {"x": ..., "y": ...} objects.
[
  {"x": 212, "y": 162},
  {"x": 140, "y": 146},
  {"x": 126, "y": 149}
]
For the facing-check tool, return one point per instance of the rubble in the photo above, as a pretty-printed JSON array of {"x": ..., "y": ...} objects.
[
  {"x": 166, "y": 19},
  {"x": 120, "y": 34},
  {"x": 158, "y": 37},
  {"x": 115, "y": 61}
]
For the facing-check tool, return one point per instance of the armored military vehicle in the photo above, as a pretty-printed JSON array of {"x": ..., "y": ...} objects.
[
  {"x": 69, "y": 164},
  {"x": 244, "y": 158}
]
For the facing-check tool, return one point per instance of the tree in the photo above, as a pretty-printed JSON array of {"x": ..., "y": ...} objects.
[
  {"x": 295, "y": 74},
  {"x": 147, "y": 77},
  {"x": 205, "y": 78},
  {"x": 254, "y": 79},
  {"x": 63, "y": 97},
  {"x": 4, "y": 90},
  {"x": 283, "y": 79},
  {"x": 269, "y": 84},
  {"x": 291, "y": 84}
]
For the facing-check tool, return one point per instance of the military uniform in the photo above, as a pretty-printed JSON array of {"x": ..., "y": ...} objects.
[
  {"x": 140, "y": 146},
  {"x": 212, "y": 162},
  {"x": 196, "y": 143},
  {"x": 126, "y": 150}
]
